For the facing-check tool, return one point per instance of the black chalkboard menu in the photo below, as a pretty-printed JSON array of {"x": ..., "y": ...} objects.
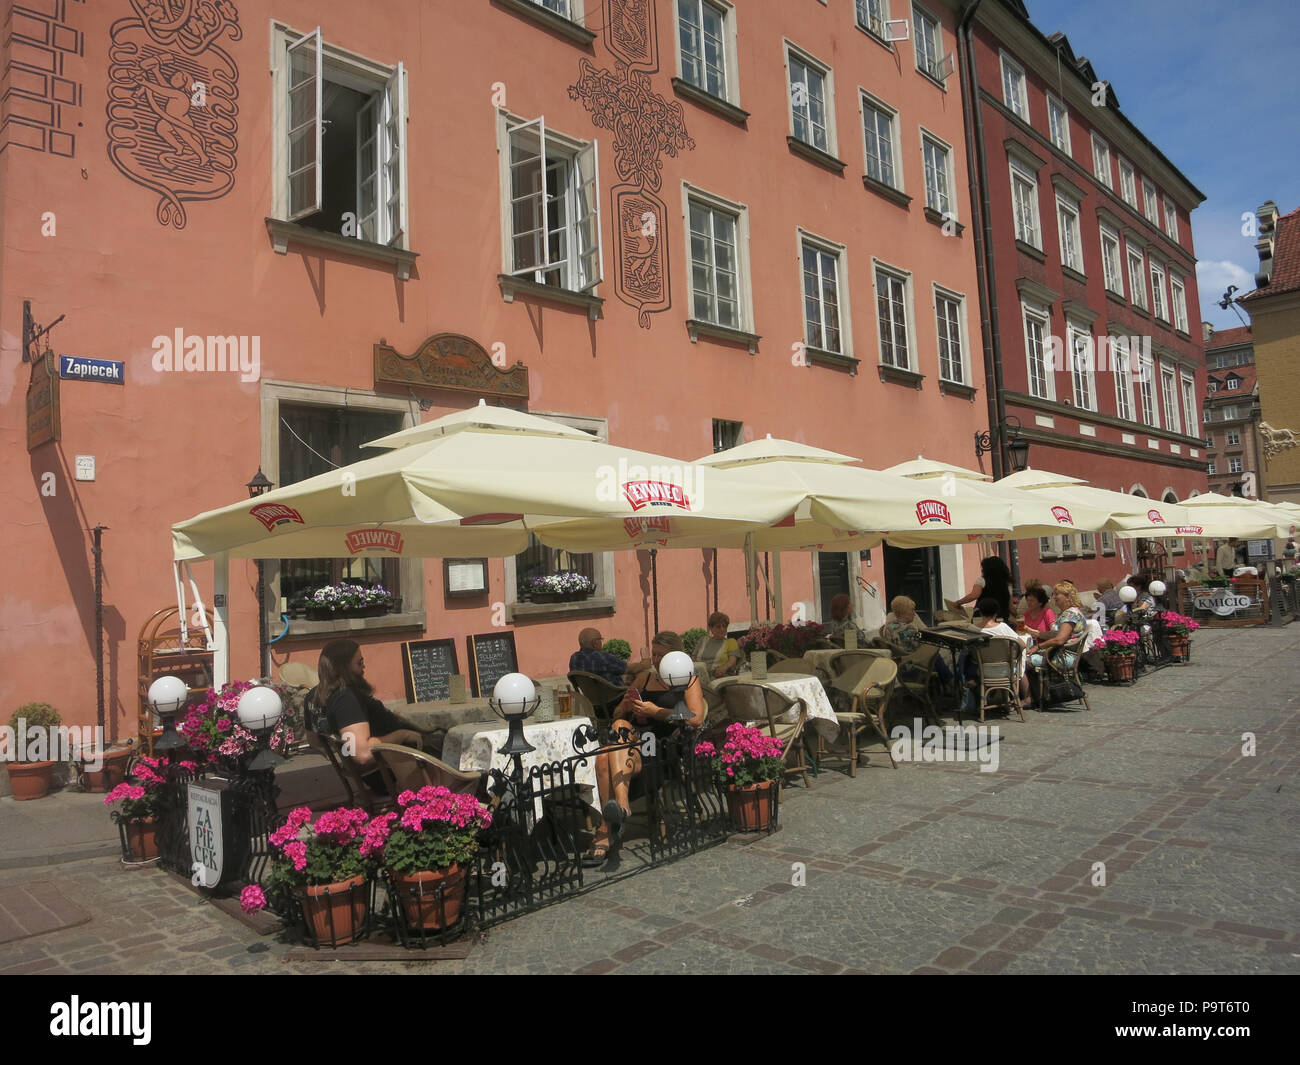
[
  {"x": 491, "y": 657},
  {"x": 428, "y": 665}
]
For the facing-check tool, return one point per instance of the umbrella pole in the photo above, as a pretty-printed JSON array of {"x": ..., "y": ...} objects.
[
  {"x": 776, "y": 578},
  {"x": 220, "y": 619},
  {"x": 654, "y": 584},
  {"x": 715, "y": 580},
  {"x": 751, "y": 578}
]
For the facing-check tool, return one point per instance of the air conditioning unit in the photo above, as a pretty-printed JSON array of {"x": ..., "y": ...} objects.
[{"x": 896, "y": 29}]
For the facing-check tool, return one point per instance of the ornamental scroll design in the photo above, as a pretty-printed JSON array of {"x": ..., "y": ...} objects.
[
  {"x": 1276, "y": 441},
  {"x": 172, "y": 110},
  {"x": 646, "y": 127}
]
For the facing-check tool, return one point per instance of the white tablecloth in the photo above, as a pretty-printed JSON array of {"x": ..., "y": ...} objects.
[
  {"x": 821, "y": 716},
  {"x": 474, "y": 747}
]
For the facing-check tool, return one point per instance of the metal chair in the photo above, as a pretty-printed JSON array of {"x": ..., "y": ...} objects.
[
  {"x": 870, "y": 690},
  {"x": 359, "y": 793},
  {"x": 598, "y": 691},
  {"x": 916, "y": 673},
  {"x": 757, "y": 702},
  {"x": 1062, "y": 663},
  {"x": 405, "y": 768},
  {"x": 999, "y": 662}
]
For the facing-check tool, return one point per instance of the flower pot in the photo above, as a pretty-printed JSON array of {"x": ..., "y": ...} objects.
[
  {"x": 1119, "y": 668},
  {"x": 1180, "y": 647},
  {"x": 141, "y": 842},
  {"x": 336, "y": 913},
  {"x": 751, "y": 806},
  {"x": 418, "y": 893},
  {"x": 30, "y": 780},
  {"x": 110, "y": 774}
]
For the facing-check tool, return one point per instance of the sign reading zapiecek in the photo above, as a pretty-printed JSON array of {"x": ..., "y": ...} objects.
[{"x": 81, "y": 368}]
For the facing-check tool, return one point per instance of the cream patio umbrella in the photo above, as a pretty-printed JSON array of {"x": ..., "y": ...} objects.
[
  {"x": 1129, "y": 515},
  {"x": 1246, "y": 519},
  {"x": 481, "y": 492}
]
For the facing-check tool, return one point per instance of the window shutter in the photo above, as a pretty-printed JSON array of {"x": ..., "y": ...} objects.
[
  {"x": 393, "y": 161},
  {"x": 590, "y": 250},
  {"x": 368, "y": 156},
  {"x": 305, "y": 93}
]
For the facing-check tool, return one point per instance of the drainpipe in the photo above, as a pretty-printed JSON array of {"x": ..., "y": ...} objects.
[{"x": 985, "y": 271}]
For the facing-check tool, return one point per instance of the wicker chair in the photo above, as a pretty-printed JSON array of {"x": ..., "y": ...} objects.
[
  {"x": 599, "y": 692},
  {"x": 405, "y": 768},
  {"x": 1000, "y": 662},
  {"x": 358, "y": 792},
  {"x": 759, "y": 703},
  {"x": 1055, "y": 665},
  {"x": 916, "y": 673},
  {"x": 870, "y": 689},
  {"x": 845, "y": 660}
]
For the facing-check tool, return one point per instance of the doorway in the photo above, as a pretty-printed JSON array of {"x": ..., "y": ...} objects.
[
  {"x": 832, "y": 580},
  {"x": 915, "y": 573}
]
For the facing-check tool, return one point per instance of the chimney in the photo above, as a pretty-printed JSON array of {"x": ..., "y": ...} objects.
[
  {"x": 1267, "y": 215},
  {"x": 1207, "y": 331}
]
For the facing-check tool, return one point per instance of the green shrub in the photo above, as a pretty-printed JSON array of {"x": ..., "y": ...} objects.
[
  {"x": 620, "y": 648},
  {"x": 42, "y": 714},
  {"x": 691, "y": 639}
]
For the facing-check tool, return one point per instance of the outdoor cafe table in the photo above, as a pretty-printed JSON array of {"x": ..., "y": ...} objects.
[
  {"x": 474, "y": 746},
  {"x": 821, "y": 715},
  {"x": 821, "y": 658}
]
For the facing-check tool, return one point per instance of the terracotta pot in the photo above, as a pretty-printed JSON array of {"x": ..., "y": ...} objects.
[
  {"x": 30, "y": 780},
  {"x": 336, "y": 913},
  {"x": 751, "y": 806},
  {"x": 1180, "y": 647},
  {"x": 111, "y": 774},
  {"x": 1120, "y": 668},
  {"x": 419, "y": 898},
  {"x": 141, "y": 842}
]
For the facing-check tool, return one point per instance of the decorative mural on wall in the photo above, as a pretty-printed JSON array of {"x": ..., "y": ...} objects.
[
  {"x": 42, "y": 97},
  {"x": 172, "y": 93},
  {"x": 645, "y": 127}
]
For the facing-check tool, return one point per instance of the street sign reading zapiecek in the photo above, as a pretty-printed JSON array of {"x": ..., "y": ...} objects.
[
  {"x": 207, "y": 840},
  {"x": 81, "y": 368}
]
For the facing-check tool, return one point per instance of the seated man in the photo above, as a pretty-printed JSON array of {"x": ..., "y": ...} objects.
[
  {"x": 1108, "y": 601},
  {"x": 589, "y": 658}
]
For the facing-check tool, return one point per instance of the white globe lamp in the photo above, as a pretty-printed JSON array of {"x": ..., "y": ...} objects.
[
  {"x": 259, "y": 711},
  {"x": 167, "y": 695},
  {"x": 514, "y": 698}
]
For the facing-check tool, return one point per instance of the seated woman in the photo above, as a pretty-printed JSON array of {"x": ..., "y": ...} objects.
[
  {"x": 616, "y": 769},
  {"x": 842, "y": 620},
  {"x": 988, "y": 611},
  {"x": 718, "y": 651},
  {"x": 903, "y": 629},
  {"x": 1039, "y": 618},
  {"x": 353, "y": 713},
  {"x": 1069, "y": 623}
]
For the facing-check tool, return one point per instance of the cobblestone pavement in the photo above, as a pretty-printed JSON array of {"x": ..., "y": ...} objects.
[{"x": 928, "y": 868}]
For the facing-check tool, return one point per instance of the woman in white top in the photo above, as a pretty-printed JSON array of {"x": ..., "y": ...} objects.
[{"x": 994, "y": 627}]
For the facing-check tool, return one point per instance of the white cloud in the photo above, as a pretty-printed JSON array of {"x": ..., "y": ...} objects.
[{"x": 1214, "y": 277}]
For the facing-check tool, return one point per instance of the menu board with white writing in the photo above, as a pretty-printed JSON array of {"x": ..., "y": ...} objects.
[
  {"x": 429, "y": 665},
  {"x": 491, "y": 656}
]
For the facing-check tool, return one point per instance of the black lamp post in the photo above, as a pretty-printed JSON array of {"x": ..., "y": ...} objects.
[
  {"x": 259, "y": 485},
  {"x": 1013, "y": 448}
]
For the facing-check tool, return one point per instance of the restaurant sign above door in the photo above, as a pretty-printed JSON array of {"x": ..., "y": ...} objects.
[
  {"x": 43, "y": 402},
  {"x": 455, "y": 362}
]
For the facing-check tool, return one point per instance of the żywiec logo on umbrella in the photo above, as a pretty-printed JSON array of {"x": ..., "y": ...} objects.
[
  {"x": 639, "y": 529},
  {"x": 373, "y": 540},
  {"x": 1155, "y": 517},
  {"x": 655, "y": 494},
  {"x": 1062, "y": 516},
  {"x": 273, "y": 514},
  {"x": 1190, "y": 530},
  {"x": 929, "y": 511}
]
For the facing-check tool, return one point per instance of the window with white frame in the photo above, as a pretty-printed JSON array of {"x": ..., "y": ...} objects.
[
  {"x": 1101, "y": 161},
  {"x": 1046, "y": 548},
  {"x": 1169, "y": 396},
  {"x": 1128, "y": 183},
  {"x": 1014, "y": 92},
  {"x": 1212, "y": 385},
  {"x": 929, "y": 43},
  {"x": 1147, "y": 391},
  {"x": 1069, "y": 545},
  {"x": 1123, "y": 375},
  {"x": 1067, "y": 219},
  {"x": 938, "y": 181},
  {"x": 949, "y": 316},
  {"x": 893, "y": 303},
  {"x": 1110, "y": 264},
  {"x": 719, "y": 285},
  {"x": 1178, "y": 292},
  {"x": 1227, "y": 414},
  {"x": 1024, "y": 199},
  {"x": 1234, "y": 465},
  {"x": 872, "y": 16},
  {"x": 1088, "y": 545},
  {"x": 823, "y": 320},
  {"x": 1107, "y": 543},
  {"x": 1211, "y": 469},
  {"x": 1234, "y": 383},
  {"x": 552, "y": 206},
  {"x": 1171, "y": 219},
  {"x": 1037, "y": 352},
  {"x": 563, "y": 8},
  {"x": 704, "y": 37},
  {"x": 1149, "y": 207},
  {"x": 1158, "y": 305},
  {"x": 1137, "y": 284},
  {"x": 1058, "y": 123},
  {"x": 341, "y": 141},
  {"x": 1234, "y": 438},
  {"x": 1082, "y": 366},
  {"x": 810, "y": 101},
  {"x": 1209, "y": 440},
  {"x": 1206, "y": 414},
  {"x": 1189, "y": 403},
  {"x": 880, "y": 128}
]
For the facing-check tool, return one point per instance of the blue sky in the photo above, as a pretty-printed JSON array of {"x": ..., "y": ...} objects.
[{"x": 1208, "y": 84}]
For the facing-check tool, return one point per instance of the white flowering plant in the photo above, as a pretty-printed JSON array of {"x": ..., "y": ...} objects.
[
  {"x": 350, "y": 596},
  {"x": 564, "y": 583}
]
